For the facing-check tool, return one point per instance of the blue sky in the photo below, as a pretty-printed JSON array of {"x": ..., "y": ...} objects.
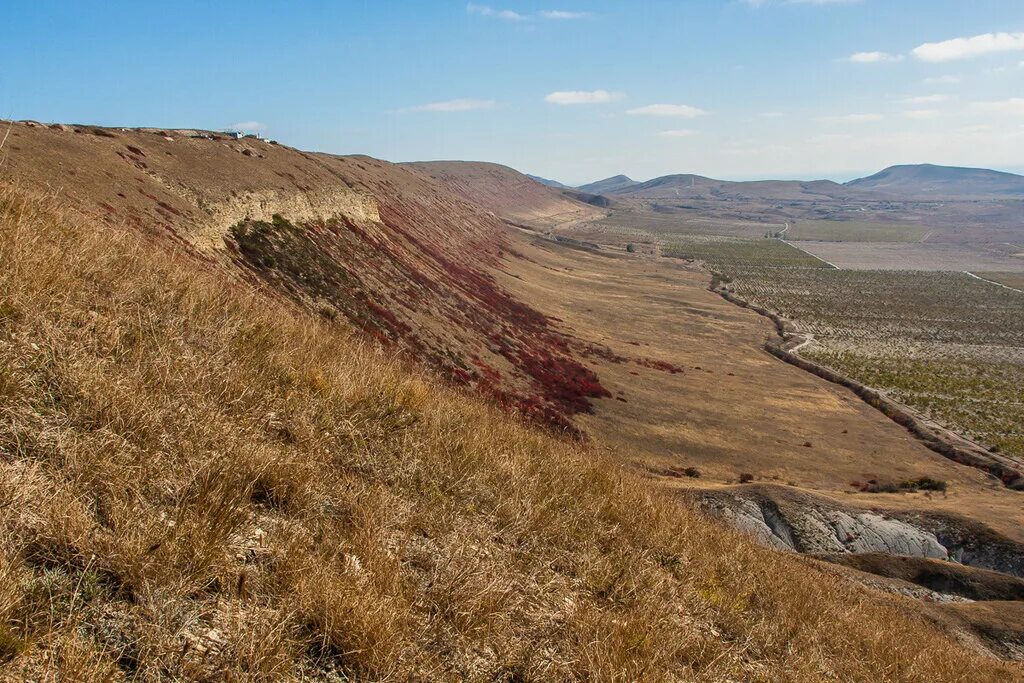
[{"x": 574, "y": 90}]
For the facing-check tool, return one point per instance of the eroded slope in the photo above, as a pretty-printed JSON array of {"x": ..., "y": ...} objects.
[{"x": 385, "y": 247}]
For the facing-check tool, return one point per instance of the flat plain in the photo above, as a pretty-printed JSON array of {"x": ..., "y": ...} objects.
[
  {"x": 732, "y": 408},
  {"x": 945, "y": 343},
  {"x": 855, "y": 231},
  {"x": 1015, "y": 280},
  {"x": 914, "y": 256}
]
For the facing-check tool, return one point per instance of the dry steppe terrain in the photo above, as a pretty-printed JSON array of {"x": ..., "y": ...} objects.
[{"x": 275, "y": 415}]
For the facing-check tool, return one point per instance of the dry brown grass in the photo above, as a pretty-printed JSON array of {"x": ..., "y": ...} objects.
[{"x": 197, "y": 483}]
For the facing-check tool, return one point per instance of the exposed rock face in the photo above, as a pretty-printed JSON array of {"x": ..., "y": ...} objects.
[
  {"x": 799, "y": 522},
  {"x": 817, "y": 530}
]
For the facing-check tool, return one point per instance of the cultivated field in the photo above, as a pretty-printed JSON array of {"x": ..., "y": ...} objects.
[
  {"x": 739, "y": 253},
  {"x": 947, "y": 344},
  {"x": 855, "y": 231},
  {"x": 1015, "y": 280},
  {"x": 672, "y": 221},
  {"x": 927, "y": 256}
]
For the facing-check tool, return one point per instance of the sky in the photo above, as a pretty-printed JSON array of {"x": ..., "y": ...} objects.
[{"x": 573, "y": 90}]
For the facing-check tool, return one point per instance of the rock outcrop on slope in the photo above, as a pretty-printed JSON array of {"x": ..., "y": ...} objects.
[
  {"x": 788, "y": 519},
  {"x": 386, "y": 247}
]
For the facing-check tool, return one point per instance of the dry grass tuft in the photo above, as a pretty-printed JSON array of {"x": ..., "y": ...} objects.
[{"x": 199, "y": 484}]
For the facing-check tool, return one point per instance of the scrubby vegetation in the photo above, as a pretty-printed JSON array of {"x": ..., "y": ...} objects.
[
  {"x": 737, "y": 252},
  {"x": 339, "y": 268},
  {"x": 854, "y": 231},
  {"x": 946, "y": 344},
  {"x": 201, "y": 483},
  {"x": 910, "y": 485}
]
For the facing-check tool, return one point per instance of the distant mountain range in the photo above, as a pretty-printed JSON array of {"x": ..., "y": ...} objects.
[{"x": 922, "y": 181}]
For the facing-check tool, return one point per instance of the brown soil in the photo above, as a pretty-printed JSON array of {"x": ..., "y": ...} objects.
[{"x": 734, "y": 409}]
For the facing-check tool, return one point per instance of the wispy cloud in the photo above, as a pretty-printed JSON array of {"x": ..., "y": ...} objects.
[
  {"x": 771, "y": 115},
  {"x": 685, "y": 133},
  {"x": 873, "y": 57},
  {"x": 1013, "y": 106},
  {"x": 562, "y": 14},
  {"x": 965, "y": 48},
  {"x": 852, "y": 118},
  {"x": 921, "y": 114},
  {"x": 942, "y": 80},
  {"x": 248, "y": 126},
  {"x": 487, "y": 11},
  {"x": 582, "y": 97},
  {"x": 767, "y": 3},
  {"x": 456, "y": 105},
  {"x": 681, "y": 111},
  {"x": 925, "y": 99},
  {"x": 509, "y": 15}
]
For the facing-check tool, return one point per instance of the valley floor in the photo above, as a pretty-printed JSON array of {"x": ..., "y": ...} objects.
[{"x": 733, "y": 409}]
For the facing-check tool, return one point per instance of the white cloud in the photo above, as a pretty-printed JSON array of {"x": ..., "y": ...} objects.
[
  {"x": 582, "y": 97},
  {"x": 765, "y": 3},
  {"x": 248, "y": 126},
  {"x": 965, "y": 48},
  {"x": 772, "y": 115},
  {"x": 681, "y": 111},
  {"x": 456, "y": 105},
  {"x": 562, "y": 14},
  {"x": 852, "y": 118},
  {"x": 925, "y": 99},
  {"x": 1013, "y": 106},
  {"x": 509, "y": 15},
  {"x": 942, "y": 80},
  {"x": 677, "y": 133},
  {"x": 486, "y": 11},
  {"x": 921, "y": 114},
  {"x": 873, "y": 57}
]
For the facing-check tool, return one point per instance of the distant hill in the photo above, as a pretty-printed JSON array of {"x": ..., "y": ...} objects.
[
  {"x": 944, "y": 181},
  {"x": 910, "y": 181},
  {"x": 688, "y": 185},
  {"x": 613, "y": 185},
  {"x": 550, "y": 183}
]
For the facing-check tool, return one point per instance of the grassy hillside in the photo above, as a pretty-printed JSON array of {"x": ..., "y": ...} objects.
[
  {"x": 201, "y": 483},
  {"x": 385, "y": 247}
]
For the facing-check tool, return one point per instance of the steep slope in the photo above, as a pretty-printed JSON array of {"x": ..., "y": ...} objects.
[
  {"x": 507, "y": 192},
  {"x": 383, "y": 246},
  {"x": 929, "y": 180},
  {"x": 201, "y": 482}
]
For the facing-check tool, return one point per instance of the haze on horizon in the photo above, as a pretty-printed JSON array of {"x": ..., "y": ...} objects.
[{"x": 573, "y": 90}]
